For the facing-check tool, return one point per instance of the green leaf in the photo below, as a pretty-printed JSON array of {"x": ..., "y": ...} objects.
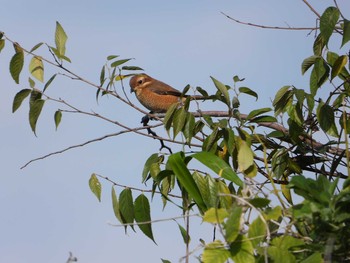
[
  {"x": 147, "y": 167},
  {"x": 219, "y": 166},
  {"x": 263, "y": 118},
  {"x": 19, "y": 97},
  {"x": 248, "y": 91},
  {"x": 307, "y": 63},
  {"x": 179, "y": 121},
  {"x": 257, "y": 231},
  {"x": 2, "y": 44},
  {"x": 126, "y": 206},
  {"x": 60, "y": 40},
  {"x": 16, "y": 65},
  {"x": 242, "y": 250},
  {"x": 316, "y": 257},
  {"x": 338, "y": 66},
  {"x": 232, "y": 226},
  {"x": 131, "y": 68},
  {"x": 346, "y": 32},
  {"x": 215, "y": 215},
  {"x": 143, "y": 216},
  {"x": 215, "y": 252},
  {"x": 222, "y": 89},
  {"x": 185, "y": 236},
  {"x": 58, "y": 117},
  {"x": 110, "y": 57},
  {"x": 169, "y": 116},
  {"x": 177, "y": 164},
  {"x": 95, "y": 186},
  {"x": 245, "y": 156},
  {"x": 36, "y": 47},
  {"x": 119, "y": 62},
  {"x": 36, "y": 68},
  {"x": 282, "y": 99},
  {"x": 203, "y": 187},
  {"x": 34, "y": 113},
  {"x": 257, "y": 112},
  {"x": 49, "y": 82},
  {"x": 189, "y": 128},
  {"x": 165, "y": 261},
  {"x": 328, "y": 22},
  {"x": 319, "y": 44},
  {"x": 31, "y": 83},
  {"x": 325, "y": 116},
  {"x": 115, "y": 205}
]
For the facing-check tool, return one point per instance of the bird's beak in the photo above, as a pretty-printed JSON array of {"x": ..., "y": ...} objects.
[{"x": 131, "y": 90}]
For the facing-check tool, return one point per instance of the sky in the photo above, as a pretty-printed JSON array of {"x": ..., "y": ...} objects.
[{"x": 47, "y": 207}]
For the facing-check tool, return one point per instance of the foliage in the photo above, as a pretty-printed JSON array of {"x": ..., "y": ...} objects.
[{"x": 237, "y": 156}]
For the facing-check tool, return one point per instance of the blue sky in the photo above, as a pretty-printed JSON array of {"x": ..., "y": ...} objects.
[{"x": 47, "y": 208}]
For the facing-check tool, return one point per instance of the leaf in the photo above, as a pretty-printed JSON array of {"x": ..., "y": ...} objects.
[
  {"x": 36, "y": 47},
  {"x": 143, "y": 216},
  {"x": 165, "y": 261},
  {"x": 257, "y": 231},
  {"x": 215, "y": 252},
  {"x": 248, "y": 91},
  {"x": 95, "y": 186},
  {"x": 19, "y": 97},
  {"x": 34, "y": 113},
  {"x": 232, "y": 226},
  {"x": 102, "y": 76},
  {"x": 189, "y": 128},
  {"x": 319, "y": 44},
  {"x": 325, "y": 116},
  {"x": 215, "y": 215},
  {"x": 245, "y": 156},
  {"x": 328, "y": 22},
  {"x": 307, "y": 63},
  {"x": 242, "y": 250},
  {"x": 58, "y": 117},
  {"x": 316, "y": 257},
  {"x": 346, "y": 32},
  {"x": 222, "y": 89},
  {"x": 177, "y": 164},
  {"x": 126, "y": 206},
  {"x": 338, "y": 66},
  {"x": 147, "y": 167},
  {"x": 115, "y": 205},
  {"x": 131, "y": 68},
  {"x": 36, "y": 68},
  {"x": 16, "y": 65},
  {"x": 119, "y": 62},
  {"x": 185, "y": 236},
  {"x": 257, "y": 112},
  {"x": 2, "y": 44},
  {"x": 49, "y": 82},
  {"x": 203, "y": 187},
  {"x": 60, "y": 40},
  {"x": 179, "y": 121},
  {"x": 110, "y": 57},
  {"x": 263, "y": 118},
  {"x": 286, "y": 193},
  {"x": 282, "y": 99},
  {"x": 219, "y": 166}
]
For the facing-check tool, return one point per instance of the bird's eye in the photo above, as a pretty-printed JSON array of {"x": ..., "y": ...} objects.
[{"x": 140, "y": 81}]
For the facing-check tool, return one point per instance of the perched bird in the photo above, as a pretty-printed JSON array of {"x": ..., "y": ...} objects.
[{"x": 156, "y": 95}]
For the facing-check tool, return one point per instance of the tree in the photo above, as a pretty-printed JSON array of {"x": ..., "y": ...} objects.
[{"x": 249, "y": 163}]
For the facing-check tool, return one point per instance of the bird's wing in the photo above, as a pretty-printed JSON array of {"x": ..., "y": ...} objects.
[{"x": 165, "y": 89}]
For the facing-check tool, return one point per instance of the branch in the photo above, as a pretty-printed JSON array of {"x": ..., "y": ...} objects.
[{"x": 268, "y": 27}]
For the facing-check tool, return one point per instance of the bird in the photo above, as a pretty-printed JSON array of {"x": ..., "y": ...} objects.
[{"x": 156, "y": 95}]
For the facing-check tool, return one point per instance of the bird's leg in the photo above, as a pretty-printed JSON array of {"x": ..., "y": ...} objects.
[{"x": 145, "y": 119}]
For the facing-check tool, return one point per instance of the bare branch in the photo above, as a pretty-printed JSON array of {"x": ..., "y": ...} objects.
[{"x": 268, "y": 27}]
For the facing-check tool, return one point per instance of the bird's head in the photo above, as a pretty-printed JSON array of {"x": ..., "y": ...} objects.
[{"x": 139, "y": 81}]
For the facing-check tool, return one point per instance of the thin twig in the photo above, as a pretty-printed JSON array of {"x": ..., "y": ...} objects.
[{"x": 268, "y": 27}]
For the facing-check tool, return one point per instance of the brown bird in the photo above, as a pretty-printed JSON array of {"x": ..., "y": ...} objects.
[{"x": 156, "y": 95}]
